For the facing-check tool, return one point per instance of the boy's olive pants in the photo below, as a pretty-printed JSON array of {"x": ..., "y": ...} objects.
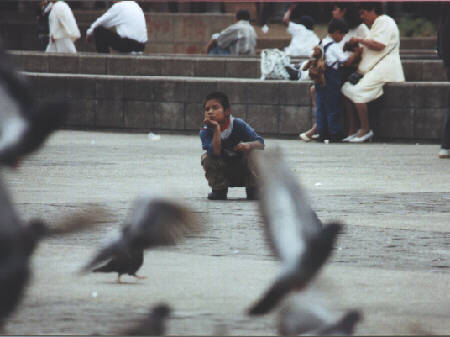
[{"x": 222, "y": 174}]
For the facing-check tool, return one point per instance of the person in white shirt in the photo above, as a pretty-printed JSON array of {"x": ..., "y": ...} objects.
[
  {"x": 237, "y": 39},
  {"x": 328, "y": 97},
  {"x": 63, "y": 29},
  {"x": 303, "y": 37},
  {"x": 122, "y": 28}
]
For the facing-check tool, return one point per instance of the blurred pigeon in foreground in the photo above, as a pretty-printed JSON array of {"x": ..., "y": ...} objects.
[
  {"x": 18, "y": 241},
  {"x": 152, "y": 222},
  {"x": 153, "y": 325},
  {"x": 306, "y": 314},
  {"x": 23, "y": 127},
  {"x": 292, "y": 228}
]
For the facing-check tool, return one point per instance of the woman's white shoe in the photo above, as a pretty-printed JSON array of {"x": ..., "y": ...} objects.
[
  {"x": 304, "y": 137},
  {"x": 367, "y": 137},
  {"x": 347, "y": 139}
]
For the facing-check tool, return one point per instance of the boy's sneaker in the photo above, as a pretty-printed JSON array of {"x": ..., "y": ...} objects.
[
  {"x": 252, "y": 193},
  {"x": 218, "y": 194},
  {"x": 444, "y": 153}
]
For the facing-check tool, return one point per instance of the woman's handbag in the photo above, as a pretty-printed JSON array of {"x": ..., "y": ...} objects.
[{"x": 354, "y": 77}]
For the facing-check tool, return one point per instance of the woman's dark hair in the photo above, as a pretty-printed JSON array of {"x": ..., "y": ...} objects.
[
  {"x": 351, "y": 17},
  {"x": 368, "y": 6},
  {"x": 243, "y": 14},
  {"x": 337, "y": 25},
  {"x": 306, "y": 21},
  {"x": 219, "y": 96}
]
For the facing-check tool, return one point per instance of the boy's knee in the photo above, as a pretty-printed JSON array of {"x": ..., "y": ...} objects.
[{"x": 210, "y": 163}]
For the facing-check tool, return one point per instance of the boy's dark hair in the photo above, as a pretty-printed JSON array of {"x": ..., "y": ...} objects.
[
  {"x": 243, "y": 14},
  {"x": 351, "y": 17},
  {"x": 376, "y": 6},
  {"x": 306, "y": 21},
  {"x": 220, "y": 96},
  {"x": 337, "y": 25}
]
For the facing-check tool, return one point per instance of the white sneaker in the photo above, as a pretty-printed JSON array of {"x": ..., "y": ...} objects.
[
  {"x": 367, "y": 137},
  {"x": 347, "y": 139},
  {"x": 444, "y": 153}
]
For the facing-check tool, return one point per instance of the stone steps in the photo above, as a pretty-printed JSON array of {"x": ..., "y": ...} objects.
[
  {"x": 412, "y": 111},
  {"x": 173, "y": 65}
]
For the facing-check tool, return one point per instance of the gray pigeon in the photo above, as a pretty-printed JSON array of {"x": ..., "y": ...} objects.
[
  {"x": 23, "y": 127},
  {"x": 295, "y": 234},
  {"x": 153, "y": 325},
  {"x": 19, "y": 239},
  {"x": 152, "y": 222}
]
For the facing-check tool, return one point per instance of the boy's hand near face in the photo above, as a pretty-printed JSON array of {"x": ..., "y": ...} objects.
[{"x": 211, "y": 123}]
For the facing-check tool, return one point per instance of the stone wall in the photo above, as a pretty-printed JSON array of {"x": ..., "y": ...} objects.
[
  {"x": 408, "y": 111},
  {"x": 203, "y": 66}
]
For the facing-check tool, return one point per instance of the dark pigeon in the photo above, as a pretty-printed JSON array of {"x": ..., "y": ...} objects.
[
  {"x": 23, "y": 126},
  {"x": 152, "y": 222},
  {"x": 153, "y": 325},
  {"x": 292, "y": 228},
  {"x": 18, "y": 241}
]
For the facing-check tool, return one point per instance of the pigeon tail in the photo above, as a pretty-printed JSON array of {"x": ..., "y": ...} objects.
[{"x": 344, "y": 327}]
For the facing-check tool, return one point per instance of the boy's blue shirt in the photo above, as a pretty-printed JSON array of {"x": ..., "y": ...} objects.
[{"x": 240, "y": 132}]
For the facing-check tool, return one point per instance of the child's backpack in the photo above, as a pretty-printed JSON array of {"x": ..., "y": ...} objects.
[{"x": 273, "y": 63}]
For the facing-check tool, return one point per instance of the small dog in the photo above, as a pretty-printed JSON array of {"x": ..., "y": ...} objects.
[{"x": 316, "y": 65}]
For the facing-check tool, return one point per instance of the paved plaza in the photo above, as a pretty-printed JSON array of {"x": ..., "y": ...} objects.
[{"x": 391, "y": 260}]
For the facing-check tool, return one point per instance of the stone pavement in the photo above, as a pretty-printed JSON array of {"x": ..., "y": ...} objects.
[{"x": 391, "y": 261}]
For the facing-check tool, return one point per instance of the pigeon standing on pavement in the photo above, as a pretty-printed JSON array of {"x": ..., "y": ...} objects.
[
  {"x": 153, "y": 325},
  {"x": 152, "y": 222},
  {"x": 19, "y": 239},
  {"x": 23, "y": 127},
  {"x": 293, "y": 230}
]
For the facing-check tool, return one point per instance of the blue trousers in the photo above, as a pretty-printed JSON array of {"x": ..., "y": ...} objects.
[
  {"x": 216, "y": 50},
  {"x": 329, "y": 106}
]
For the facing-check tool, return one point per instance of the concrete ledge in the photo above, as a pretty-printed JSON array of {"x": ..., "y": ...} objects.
[
  {"x": 172, "y": 65},
  {"x": 408, "y": 111}
]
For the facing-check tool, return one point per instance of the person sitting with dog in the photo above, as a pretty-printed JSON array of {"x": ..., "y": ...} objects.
[
  {"x": 356, "y": 28},
  {"x": 380, "y": 63},
  {"x": 237, "y": 39},
  {"x": 228, "y": 142},
  {"x": 328, "y": 90}
]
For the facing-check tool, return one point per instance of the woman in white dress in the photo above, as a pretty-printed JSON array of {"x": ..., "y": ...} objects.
[
  {"x": 63, "y": 29},
  {"x": 380, "y": 63},
  {"x": 356, "y": 28}
]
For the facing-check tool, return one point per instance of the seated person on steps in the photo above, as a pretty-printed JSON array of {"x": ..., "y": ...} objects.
[
  {"x": 228, "y": 142},
  {"x": 122, "y": 28},
  {"x": 237, "y": 39}
]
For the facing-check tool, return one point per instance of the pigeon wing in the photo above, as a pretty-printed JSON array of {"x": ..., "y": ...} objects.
[
  {"x": 158, "y": 221},
  {"x": 108, "y": 252}
]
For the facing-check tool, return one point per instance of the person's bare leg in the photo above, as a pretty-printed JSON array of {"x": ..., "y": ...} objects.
[
  {"x": 313, "y": 130},
  {"x": 363, "y": 114},
  {"x": 350, "y": 112}
]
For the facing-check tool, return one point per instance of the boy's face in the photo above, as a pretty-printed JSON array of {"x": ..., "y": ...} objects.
[
  {"x": 214, "y": 111},
  {"x": 337, "y": 36},
  {"x": 368, "y": 17}
]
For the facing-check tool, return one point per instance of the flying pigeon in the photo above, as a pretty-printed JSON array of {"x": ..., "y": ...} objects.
[
  {"x": 153, "y": 325},
  {"x": 153, "y": 221},
  {"x": 23, "y": 127},
  {"x": 18, "y": 240},
  {"x": 295, "y": 234}
]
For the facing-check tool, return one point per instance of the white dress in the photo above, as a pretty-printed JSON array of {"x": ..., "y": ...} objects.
[
  {"x": 389, "y": 69},
  {"x": 63, "y": 28},
  {"x": 302, "y": 42}
]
